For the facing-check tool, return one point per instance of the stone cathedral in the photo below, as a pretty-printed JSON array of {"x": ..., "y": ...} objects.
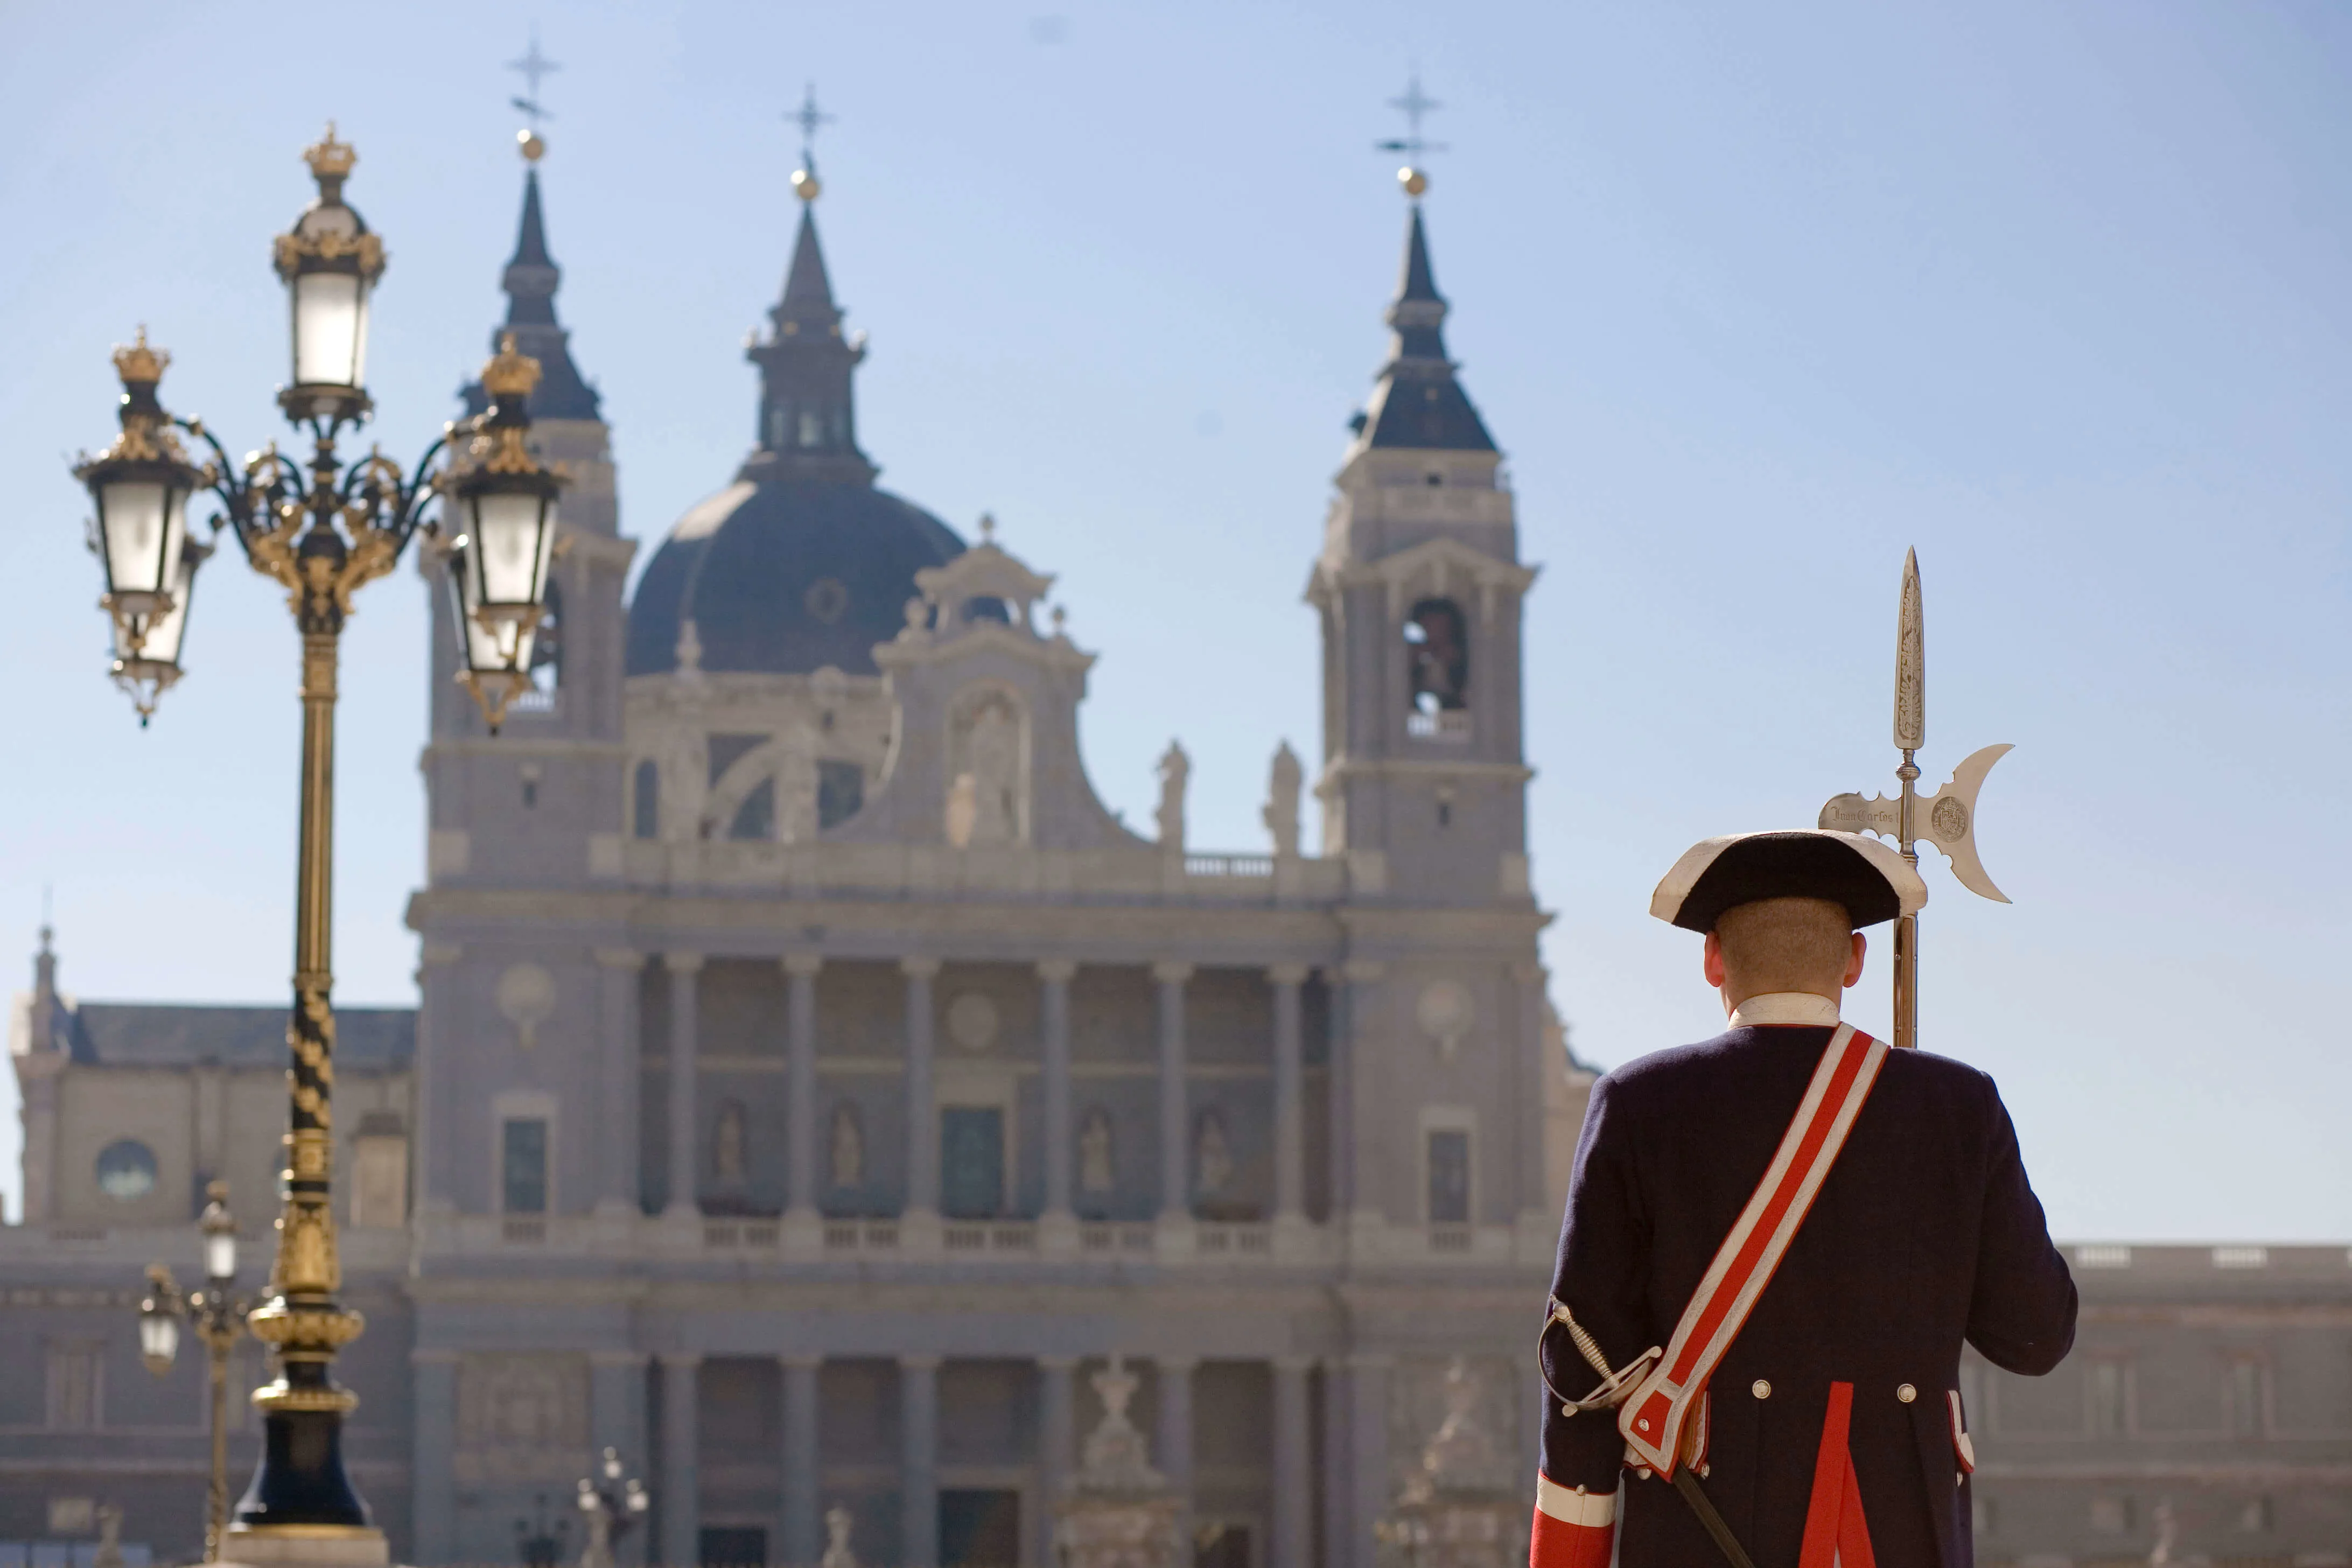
[{"x": 813, "y": 1083}]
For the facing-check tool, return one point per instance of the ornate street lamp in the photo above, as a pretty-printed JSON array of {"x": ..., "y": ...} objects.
[
  {"x": 322, "y": 531},
  {"x": 218, "y": 1316},
  {"x": 497, "y": 565},
  {"x": 612, "y": 1505}
]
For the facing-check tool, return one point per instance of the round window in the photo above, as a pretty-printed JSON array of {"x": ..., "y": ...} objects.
[
  {"x": 826, "y": 598},
  {"x": 126, "y": 1170}
]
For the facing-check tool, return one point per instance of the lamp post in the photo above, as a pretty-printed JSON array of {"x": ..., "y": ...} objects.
[
  {"x": 217, "y": 1315},
  {"x": 612, "y": 1505},
  {"x": 322, "y": 531}
]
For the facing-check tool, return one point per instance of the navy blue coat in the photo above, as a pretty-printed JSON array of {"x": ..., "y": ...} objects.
[{"x": 1925, "y": 1233}]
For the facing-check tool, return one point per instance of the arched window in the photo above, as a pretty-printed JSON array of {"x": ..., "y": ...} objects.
[
  {"x": 1437, "y": 653},
  {"x": 649, "y": 800}
]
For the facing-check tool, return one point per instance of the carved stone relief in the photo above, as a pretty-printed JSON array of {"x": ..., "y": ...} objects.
[
  {"x": 526, "y": 999},
  {"x": 521, "y": 1417}
]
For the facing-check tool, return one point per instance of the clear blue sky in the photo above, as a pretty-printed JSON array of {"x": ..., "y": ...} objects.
[{"x": 1754, "y": 297}]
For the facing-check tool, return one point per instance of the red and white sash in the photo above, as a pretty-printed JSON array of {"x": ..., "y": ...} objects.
[{"x": 1653, "y": 1416}]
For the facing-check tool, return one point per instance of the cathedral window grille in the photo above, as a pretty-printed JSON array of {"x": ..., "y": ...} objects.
[
  {"x": 2246, "y": 1397},
  {"x": 126, "y": 1170},
  {"x": 522, "y": 1165},
  {"x": 2107, "y": 1398},
  {"x": 755, "y": 819},
  {"x": 840, "y": 791},
  {"x": 646, "y": 805},
  {"x": 811, "y": 428},
  {"x": 1449, "y": 1175},
  {"x": 77, "y": 1387}
]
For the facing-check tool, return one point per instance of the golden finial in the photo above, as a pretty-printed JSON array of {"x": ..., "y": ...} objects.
[
  {"x": 139, "y": 365},
  {"x": 510, "y": 374},
  {"x": 1414, "y": 181},
  {"x": 329, "y": 159},
  {"x": 806, "y": 186},
  {"x": 534, "y": 145}
]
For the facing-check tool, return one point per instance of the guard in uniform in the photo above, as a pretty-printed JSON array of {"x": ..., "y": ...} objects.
[{"x": 1776, "y": 1242}]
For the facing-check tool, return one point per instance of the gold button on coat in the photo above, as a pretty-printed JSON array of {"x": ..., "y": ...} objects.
[
  {"x": 1905, "y": 1392},
  {"x": 1760, "y": 1389}
]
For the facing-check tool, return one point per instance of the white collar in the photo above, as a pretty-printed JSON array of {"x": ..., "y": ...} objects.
[{"x": 1785, "y": 1007}]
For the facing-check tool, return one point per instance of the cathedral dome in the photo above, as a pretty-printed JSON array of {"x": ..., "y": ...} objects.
[
  {"x": 800, "y": 563},
  {"x": 785, "y": 577}
]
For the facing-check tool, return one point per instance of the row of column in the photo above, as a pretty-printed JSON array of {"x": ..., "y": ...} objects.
[
  {"x": 801, "y": 1506},
  {"x": 618, "y": 1178}
]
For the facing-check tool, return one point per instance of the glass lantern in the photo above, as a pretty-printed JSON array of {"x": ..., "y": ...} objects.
[
  {"x": 219, "y": 1228},
  {"x": 330, "y": 263},
  {"x": 505, "y": 517},
  {"x": 159, "y": 1321}
]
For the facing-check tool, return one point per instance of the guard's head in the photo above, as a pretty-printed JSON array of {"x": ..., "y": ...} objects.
[
  {"x": 1783, "y": 945},
  {"x": 1781, "y": 910}
]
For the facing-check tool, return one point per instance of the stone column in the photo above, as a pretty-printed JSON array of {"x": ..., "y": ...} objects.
[
  {"x": 619, "y": 1035},
  {"x": 1338, "y": 1472},
  {"x": 1175, "y": 1101},
  {"x": 433, "y": 1435},
  {"x": 800, "y": 1099},
  {"x": 803, "y": 1510},
  {"x": 1289, "y": 1106},
  {"x": 920, "y": 1222},
  {"x": 1367, "y": 1444},
  {"x": 678, "y": 1499},
  {"x": 685, "y": 1047},
  {"x": 1053, "y": 977},
  {"x": 1355, "y": 1119},
  {"x": 919, "y": 1482},
  {"x": 1292, "y": 1542},
  {"x": 1056, "y": 1439},
  {"x": 434, "y": 1162},
  {"x": 1172, "y": 1443},
  {"x": 1532, "y": 1070}
]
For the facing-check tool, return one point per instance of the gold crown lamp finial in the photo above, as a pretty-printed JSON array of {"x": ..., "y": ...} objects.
[
  {"x": 510, "y": 374},
  {"x": 329, "y": 159},
  {"x": 138, "y": 364},
  {"x": 1414, "y": 181},
  {"x": 533, "y": 144}
]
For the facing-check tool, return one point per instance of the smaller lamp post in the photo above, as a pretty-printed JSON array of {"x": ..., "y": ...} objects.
[
  {"x": 612, "y": 1505},
  {"x": 218, "y": 1316}
]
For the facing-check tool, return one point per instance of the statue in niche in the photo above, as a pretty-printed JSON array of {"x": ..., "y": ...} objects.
[
  {"x": 727, "y": 1160},
  {"x": 837, "y": 1553},
  {"x": 1282, "y": 801},
  {"x": 1213, "y": 1156},
  {"x": 1175, "y": 769},
  {"x": 848, "y": 1144},
  {"x": 1095, "y": 1174},
  {"x": 994, "y": 752},
  {"x": 963, "y": 810}
]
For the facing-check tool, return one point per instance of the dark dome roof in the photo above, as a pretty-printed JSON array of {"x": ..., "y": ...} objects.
[{"x": 785, "y": 577}]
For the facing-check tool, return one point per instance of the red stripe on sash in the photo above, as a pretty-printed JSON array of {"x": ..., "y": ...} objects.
[{"x": 1792, "y": 1181}]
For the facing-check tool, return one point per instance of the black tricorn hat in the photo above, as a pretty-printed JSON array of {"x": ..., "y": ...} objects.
[{"x": 1872, "y": 881}]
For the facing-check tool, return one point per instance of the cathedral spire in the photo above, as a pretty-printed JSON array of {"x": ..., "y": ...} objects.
[
  {"x": 1418, "y": 402},
  {"x": 808, "y": 412},
  {"x": 529, "y": 281}
]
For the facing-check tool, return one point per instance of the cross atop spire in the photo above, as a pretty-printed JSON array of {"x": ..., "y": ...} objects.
[
  {"x": 811, "y": 120},
  {"x": 1412, "y": 105},
  {"x": 533, "y": 68}
]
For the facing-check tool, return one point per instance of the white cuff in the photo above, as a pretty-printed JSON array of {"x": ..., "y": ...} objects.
[{"x": 1578, "y": 1507}]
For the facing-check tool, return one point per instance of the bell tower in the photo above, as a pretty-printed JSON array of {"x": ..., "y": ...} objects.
[
  {"x": 1419, "y": 587},
  {"x": 540, "y": 804}
]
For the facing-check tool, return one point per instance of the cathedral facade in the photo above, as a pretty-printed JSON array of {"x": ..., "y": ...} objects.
[
  {"x": 812, "y": 1082},
  {"x": 813, "y": 1085}
]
